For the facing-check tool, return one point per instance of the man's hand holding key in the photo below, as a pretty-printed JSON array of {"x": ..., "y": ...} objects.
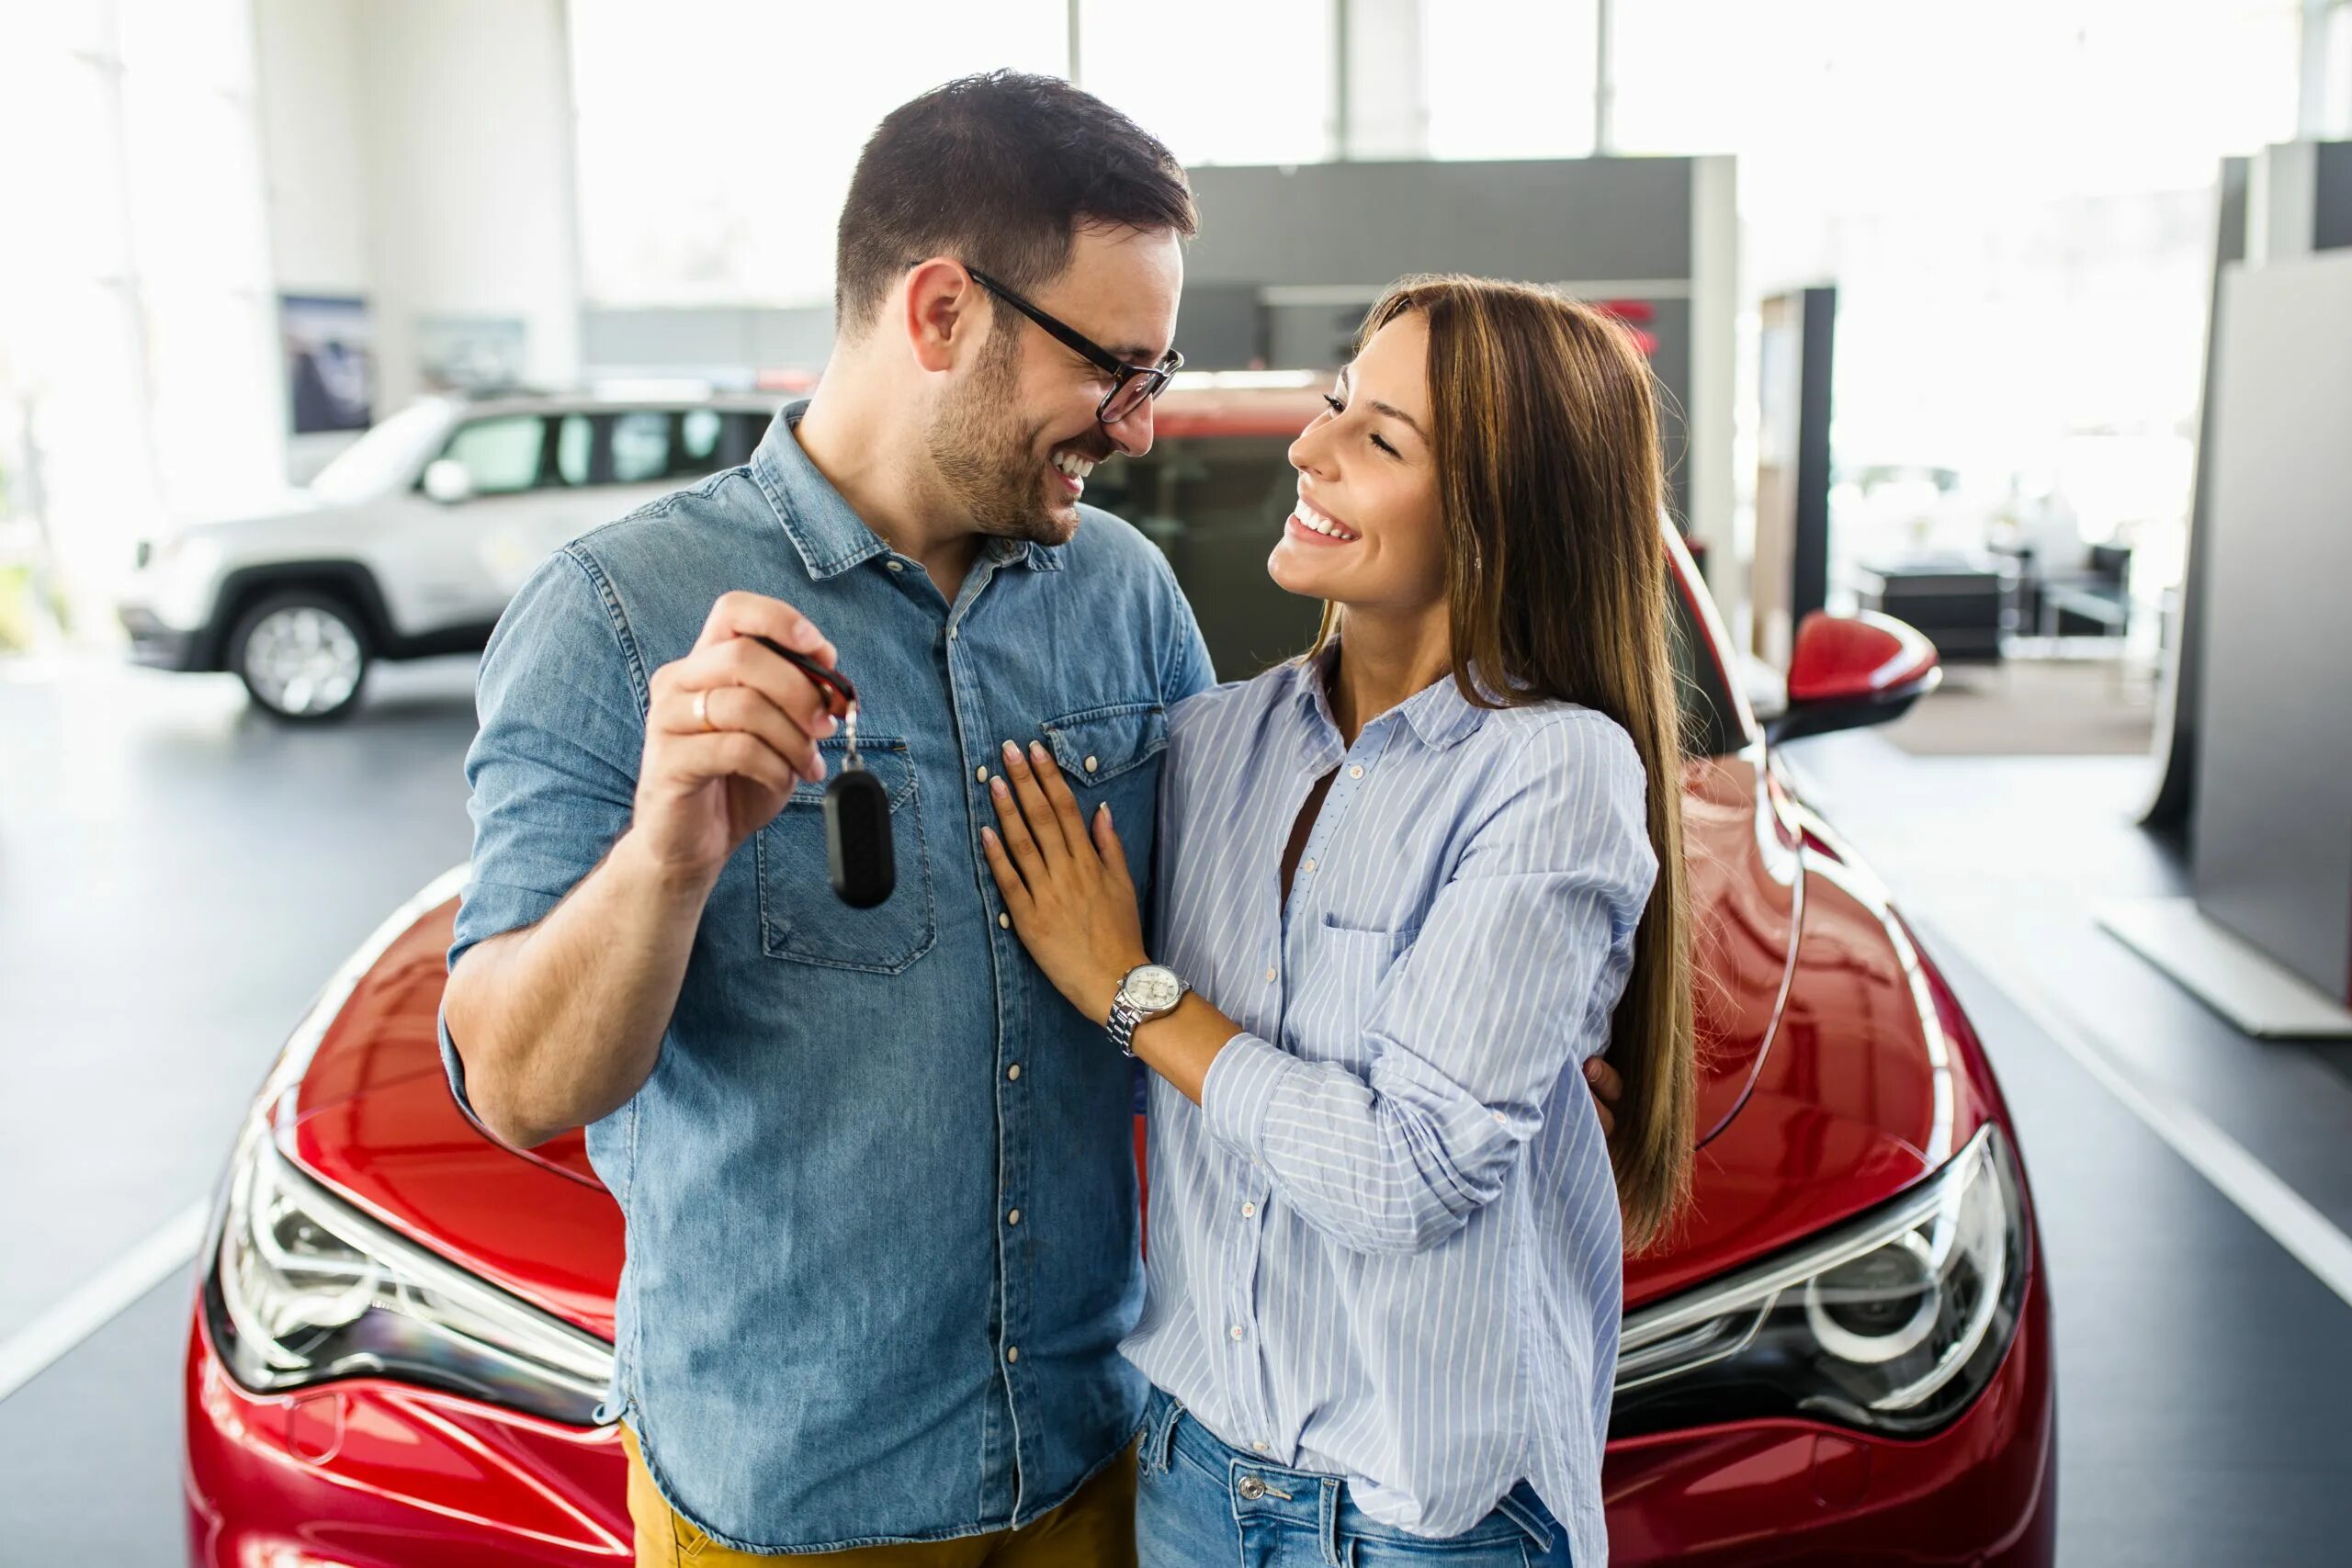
[{"x": 731, "y": 728}]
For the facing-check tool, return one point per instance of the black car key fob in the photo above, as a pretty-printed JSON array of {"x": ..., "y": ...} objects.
[
  {"x": 857, "y": 836},
  {"x": 857, "y": 809}
]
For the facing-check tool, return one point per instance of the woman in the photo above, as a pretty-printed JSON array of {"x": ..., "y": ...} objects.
[{"x": 1415, "y": 879}]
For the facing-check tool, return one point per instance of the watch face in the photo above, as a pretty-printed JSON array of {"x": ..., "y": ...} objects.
[{"x": 1153, "y": 989}]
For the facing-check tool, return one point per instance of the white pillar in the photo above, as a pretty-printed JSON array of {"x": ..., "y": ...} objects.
[{"x": 1379, "y": 108}]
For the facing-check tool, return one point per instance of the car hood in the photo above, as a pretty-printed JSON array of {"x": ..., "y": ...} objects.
[
  {"x": 251, "y": 511},
  {"x": 1823, "y": 1066}
]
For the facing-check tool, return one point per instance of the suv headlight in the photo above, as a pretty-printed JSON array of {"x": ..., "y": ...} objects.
[
  {"x": 305, "y": 1289},
  {"x": 1893, "y": 1323}
]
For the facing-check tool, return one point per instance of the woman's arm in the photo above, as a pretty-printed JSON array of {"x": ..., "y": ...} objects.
[{"x": 1473, "y": 1030}]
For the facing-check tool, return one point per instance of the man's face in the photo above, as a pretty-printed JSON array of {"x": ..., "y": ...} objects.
[{"x": 1015, "y": 437}]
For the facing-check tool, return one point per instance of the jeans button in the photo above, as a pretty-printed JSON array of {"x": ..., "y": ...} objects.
[{"x": 1250, "y": 1488}]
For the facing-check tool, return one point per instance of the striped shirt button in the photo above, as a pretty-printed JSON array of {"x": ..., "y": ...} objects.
[
  {"x": 1248, "y": 1211},
  {"x": 1356, "y": 771},
  {"x": 1273, "y": 974},
  {"x": 1306, "y": 865},
  {"x": 1237, "y": 1331},
  {"x": 1261, "y": 1448}
]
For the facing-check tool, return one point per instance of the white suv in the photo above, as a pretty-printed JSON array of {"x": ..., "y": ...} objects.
[{"x": 412, "y": 540}]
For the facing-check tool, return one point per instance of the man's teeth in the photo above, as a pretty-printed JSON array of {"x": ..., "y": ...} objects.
[
  {"x": 1321, "y": 524},
  {"x": 1073, "y": 465}
]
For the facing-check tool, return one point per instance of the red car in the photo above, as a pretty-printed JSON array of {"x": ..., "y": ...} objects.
[{"x": 1844, "y": 1357}]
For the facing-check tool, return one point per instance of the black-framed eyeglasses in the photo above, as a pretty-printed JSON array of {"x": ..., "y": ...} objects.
[{"x": 1132, "y": 386}]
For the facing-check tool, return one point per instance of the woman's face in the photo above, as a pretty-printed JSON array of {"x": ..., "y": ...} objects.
[{"x": 1368, "y": 530}]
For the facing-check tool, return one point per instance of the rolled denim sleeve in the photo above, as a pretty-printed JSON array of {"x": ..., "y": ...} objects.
[
  {"x": 1514, "y": 975},
  {"x": 552, "y": 771}
]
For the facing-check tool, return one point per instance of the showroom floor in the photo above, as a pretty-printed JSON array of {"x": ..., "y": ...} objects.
[{"x": 176, "y": 877}]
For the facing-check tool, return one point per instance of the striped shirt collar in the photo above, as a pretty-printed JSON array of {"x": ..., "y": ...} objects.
[{"x": 1439, "y": 714}]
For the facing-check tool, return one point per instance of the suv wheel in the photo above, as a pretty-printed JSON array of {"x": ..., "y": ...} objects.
[{"x": 301, "y": 654}]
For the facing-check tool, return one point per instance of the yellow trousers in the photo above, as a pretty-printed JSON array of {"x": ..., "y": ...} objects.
[{"x": 1095, "y": 1528}]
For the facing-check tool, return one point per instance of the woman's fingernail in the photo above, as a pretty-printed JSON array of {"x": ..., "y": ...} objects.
[
  {"x": 1104, "y": 811},
  {"x": 1037, "y": 749},
  {"x": 987, "y": 835},
  {"x": 1012, "y": 752},
  {"x": 996, "y": 787}
]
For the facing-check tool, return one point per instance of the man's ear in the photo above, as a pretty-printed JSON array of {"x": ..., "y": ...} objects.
[{"x": 942, "y": 313}]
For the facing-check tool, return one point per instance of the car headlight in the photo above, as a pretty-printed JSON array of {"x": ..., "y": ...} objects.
[
  {"x": 305, "y": 1289},
  {"x": 1893, "y": 1323}
]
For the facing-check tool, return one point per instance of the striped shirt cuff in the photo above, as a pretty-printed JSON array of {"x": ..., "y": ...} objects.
[{"x": 1239, "y": 1089}]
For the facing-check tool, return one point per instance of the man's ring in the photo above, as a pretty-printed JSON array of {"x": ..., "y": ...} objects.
[{"x": 702, "y": 711}]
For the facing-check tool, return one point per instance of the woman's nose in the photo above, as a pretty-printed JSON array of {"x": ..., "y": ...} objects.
[{"x": 1308, "y": 453}]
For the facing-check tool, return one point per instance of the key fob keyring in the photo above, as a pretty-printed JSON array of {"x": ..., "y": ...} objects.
[{"x": 857, "y": 809}]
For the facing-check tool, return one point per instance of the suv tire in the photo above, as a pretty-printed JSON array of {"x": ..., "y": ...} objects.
[{"x": 303, "y": 654}]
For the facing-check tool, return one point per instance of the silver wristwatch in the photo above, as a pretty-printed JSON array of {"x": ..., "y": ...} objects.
[{"x": 1149, "y": 992}]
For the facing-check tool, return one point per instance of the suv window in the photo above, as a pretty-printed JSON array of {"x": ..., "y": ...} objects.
[
  {"x": 641, "y": 446},
  {"x": 632, "y": 446},
  {"x": 503, "y": 454},
  {"x": 1216, "y": 505}
]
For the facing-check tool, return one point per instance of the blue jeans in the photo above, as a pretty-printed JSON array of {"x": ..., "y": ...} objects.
[{"x": 1202, "y": 1504}]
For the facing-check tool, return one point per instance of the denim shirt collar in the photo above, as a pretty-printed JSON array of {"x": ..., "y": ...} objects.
[
  {"x": 1439, "y": 714},
  {"x": 828, "y": 532}
]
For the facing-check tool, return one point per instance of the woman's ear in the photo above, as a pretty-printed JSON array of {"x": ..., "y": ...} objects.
[{"x": 941, "y": 313}]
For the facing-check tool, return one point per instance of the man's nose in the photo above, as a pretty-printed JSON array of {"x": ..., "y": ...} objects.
[{"x": 1131, "y": 432}]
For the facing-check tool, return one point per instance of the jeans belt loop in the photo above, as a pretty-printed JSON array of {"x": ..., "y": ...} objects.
[
  {"x": 1327, "y": 1523},
  {"x": 1159, "y": 1438}
]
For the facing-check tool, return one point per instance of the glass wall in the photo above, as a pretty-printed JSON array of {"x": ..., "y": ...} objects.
[{"x": 137, "y": 336}]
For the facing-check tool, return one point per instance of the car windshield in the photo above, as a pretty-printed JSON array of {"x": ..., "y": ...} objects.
[{"x": 384, "y": 457}]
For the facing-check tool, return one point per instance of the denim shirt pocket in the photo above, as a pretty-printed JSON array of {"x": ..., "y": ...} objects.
[
  {"x": 1103, "y": 753},
  {"x": 801, "y": 920}
]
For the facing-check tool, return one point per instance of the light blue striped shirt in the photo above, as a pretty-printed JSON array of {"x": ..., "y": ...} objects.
[{"x": 1388, "y": 1245}]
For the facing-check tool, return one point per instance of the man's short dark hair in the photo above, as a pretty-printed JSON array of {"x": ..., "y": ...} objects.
[{"x": 998, "y": 172}]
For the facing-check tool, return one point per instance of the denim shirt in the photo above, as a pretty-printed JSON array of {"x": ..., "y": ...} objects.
[{"x": 879, "y": 1189}]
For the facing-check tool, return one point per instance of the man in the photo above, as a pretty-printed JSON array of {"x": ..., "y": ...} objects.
[
  {"x": 876, "y": 1175},
  {"x": 877, "y": 1178}
]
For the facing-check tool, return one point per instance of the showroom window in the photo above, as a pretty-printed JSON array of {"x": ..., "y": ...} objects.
[{"x": 662, "y": 222}]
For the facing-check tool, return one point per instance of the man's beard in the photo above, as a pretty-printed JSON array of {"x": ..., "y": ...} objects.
[{"x": 992, "y": 463}]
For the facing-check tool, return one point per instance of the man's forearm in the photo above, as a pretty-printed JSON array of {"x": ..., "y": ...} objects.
[{"x": 559, "y": 1023}]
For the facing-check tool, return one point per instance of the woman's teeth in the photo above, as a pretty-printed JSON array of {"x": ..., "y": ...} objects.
[{"x": 1313, "y": 519}]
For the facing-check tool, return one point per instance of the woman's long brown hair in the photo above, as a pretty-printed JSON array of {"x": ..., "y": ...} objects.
[{"x": 1551, "y": 481}]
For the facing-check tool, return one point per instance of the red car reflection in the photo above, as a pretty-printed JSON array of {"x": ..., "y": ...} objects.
[{"x": 1844, "y": 1359}]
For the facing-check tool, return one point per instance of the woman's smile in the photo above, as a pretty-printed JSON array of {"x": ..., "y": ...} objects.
[{"x": 1313, "y": 526}]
